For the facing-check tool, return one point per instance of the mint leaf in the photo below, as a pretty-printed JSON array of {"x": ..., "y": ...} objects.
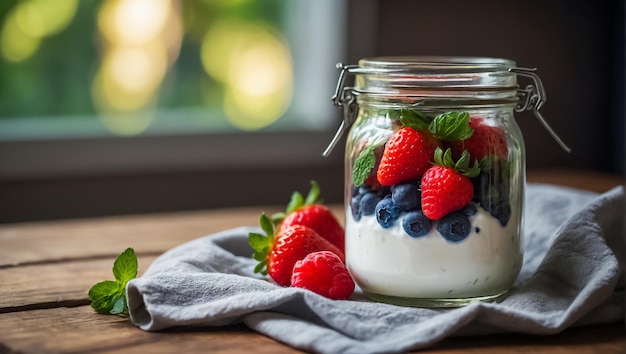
[
  {"x": 125, "y": 266},
  {"x": 414, "y": 119},
  {"x": 109, "y": 297},
  {"x": 103, "y": 295},
  {"x": 363, "y": 164},
  {"x": 451, "y": 126},
  {"x": 119, "y": 306}
]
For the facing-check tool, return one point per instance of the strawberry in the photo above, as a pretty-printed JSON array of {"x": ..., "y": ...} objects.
[
  {"x": 277, "y": 254},
  {"x": 409, "y": 150},
  {"x": 323, "y": 273},
  {"x": 486, "y": 140},
  {"x": 312, "y": 213},
  {"x": 406, "y": 156},
  {"x": 446, "y": 186}
]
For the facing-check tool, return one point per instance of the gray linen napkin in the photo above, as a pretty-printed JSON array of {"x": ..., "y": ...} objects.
[{"x": 570, "y": 277}]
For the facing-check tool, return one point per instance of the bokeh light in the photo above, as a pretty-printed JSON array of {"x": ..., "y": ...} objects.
[
  {"x": 31, "y": 21},
  {"x": 255, "y": 66},
  {"x": 135, "y": 57},
  {"x": 236, "y": 63}
]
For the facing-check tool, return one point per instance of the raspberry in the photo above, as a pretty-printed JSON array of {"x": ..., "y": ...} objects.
[{"x": 324, "y": 273}]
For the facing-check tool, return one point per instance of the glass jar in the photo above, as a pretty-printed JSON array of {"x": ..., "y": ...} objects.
[{"x": 435, "y": 175}]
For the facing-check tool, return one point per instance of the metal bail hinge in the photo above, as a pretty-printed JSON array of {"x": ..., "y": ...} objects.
[
  {"x": 343, "y": 97},
  {"x": 532, "y": 98}
]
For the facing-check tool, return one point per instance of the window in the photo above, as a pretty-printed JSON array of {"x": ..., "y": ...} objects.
[{"x": 127, "y": 85}]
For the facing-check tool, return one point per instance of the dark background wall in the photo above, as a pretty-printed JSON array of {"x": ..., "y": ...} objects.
[{"x": 577, "y": 46}]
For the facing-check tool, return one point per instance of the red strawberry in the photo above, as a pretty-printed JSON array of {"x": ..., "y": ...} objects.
[
  {"x": 323, "y": 273},
  {"x": 311, "y": 213},
  {"x": 446, "y": 186},
  {"x": 486, "y": 140},
  {"x": 406, "y": 156},
  {"x": 319, "y": 218},
  {"x": 407, "y": 153},
  {"x": 277, "y": 255}
]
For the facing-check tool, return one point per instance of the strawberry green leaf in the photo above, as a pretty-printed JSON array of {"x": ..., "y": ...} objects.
[
  {"x": 313, "y": 195},
  {"x": 414, "y": 119},
  {"x": 261, "y": 256},
  {"x": 261, "y": 268},
  {"x": 257, "y": 241},
  {"x": 267, "y": 226},
  {"x": 463, "y": 161},
  {"x": 461, "y": 165},
  {"x": 451, "y": 126},
  {"x": 261, "y": 244},
  {"x": 277, "y": 218},
  {"x": 297, "y": 201},
  {"x": 438, "y": 157},
  {"x": 363, "y": 165}
]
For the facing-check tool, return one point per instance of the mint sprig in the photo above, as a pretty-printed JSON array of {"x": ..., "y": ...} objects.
[
  {"x": 451, "y": 126},
  {"x": 363, "y": 164},
  {"x": 109, "y": 297}
]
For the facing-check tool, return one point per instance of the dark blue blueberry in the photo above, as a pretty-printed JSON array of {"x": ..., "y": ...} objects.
[
  {"x": 364, "y": 189},
  {"x": 368, "y": 203},
  {"x": 469, "y": 210},
  {"x": 407, "y": 196},
  {"x": 415, "y": 224},
  {"x": 387, "y": 212},
  {"x": 454, "y": 227},
  {"x": 502, "y": 212},
  {"x": 355, "y": 207}
]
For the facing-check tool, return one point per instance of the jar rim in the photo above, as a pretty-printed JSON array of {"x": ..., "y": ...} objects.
[
  {"x": 424, "y": 64},
  {"x": 436, "y": 76}
]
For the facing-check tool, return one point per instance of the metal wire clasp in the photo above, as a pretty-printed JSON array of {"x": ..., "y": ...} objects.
[
  {"x": 343, "y": 98},
  {"x": 532, "y": 97}
]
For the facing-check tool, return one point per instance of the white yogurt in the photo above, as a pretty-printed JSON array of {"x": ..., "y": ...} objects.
[{"x": 390, "y": 262}]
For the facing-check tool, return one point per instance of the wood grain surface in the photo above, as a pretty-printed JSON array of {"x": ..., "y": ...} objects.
[{"x": 47, "y": 268}]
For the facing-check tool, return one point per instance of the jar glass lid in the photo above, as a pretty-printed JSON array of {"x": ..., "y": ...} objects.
[{"x": 388, "y": 74}]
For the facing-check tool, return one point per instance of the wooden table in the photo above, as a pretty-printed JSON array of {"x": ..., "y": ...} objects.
[{"x": 46, "y": 269}]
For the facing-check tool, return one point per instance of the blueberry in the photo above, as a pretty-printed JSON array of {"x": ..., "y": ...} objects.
[
  {"x": 364, "y": 189},
  {"x": 368, "y": 203},
  {"x": 469, "y": 210},
  {"x": 355, "y": 207},
  {"x": 387, "y": 212},
  {"x": 502, "y": 212},
  {"x": 415, "y": 224},
  {"x": 454, "y": 227},
  {"x": 407, "y": 196}
]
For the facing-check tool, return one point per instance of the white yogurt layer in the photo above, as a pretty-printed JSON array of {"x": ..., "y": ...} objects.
[{"x": 390, "y": 262}]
